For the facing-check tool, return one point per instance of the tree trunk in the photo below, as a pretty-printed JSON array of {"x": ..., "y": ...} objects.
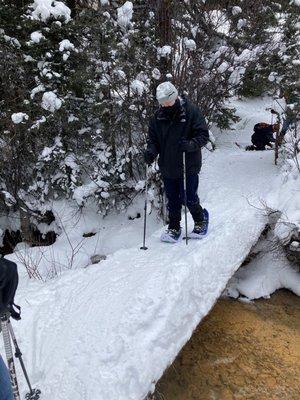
[
  {"x": 26, "y": 231},
  {"x": 164, "y": 33},
  {"x": 72, "y": 6}
]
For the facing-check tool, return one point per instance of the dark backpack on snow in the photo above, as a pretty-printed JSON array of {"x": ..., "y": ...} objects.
[{"x": 9, "y": 280}]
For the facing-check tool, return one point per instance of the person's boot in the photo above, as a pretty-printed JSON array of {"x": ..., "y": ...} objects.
[
  {"x": 173, "y": 232},
  {"x": 171, "y": 235},
  {"x": 201, "y": 227}
]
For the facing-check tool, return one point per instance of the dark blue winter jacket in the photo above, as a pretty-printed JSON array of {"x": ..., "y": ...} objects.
[
  {"x": 263, "y": 134},
  {"x": 166, "y": 133},
  {"x": 8, "y": 284}
]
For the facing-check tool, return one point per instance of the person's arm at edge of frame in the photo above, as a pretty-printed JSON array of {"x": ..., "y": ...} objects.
[{"x": 152, "y": 144}]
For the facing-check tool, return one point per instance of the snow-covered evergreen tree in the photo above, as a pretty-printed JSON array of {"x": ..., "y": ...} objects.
[{"x": 78, "y": 83}]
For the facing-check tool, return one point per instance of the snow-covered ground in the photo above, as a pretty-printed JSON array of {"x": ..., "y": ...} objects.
[
  {"x": 267, "y": 272},
  {"x": 108, "y": 331}
]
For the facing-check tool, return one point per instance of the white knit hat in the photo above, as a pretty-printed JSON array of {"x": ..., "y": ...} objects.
[{"x": 166, "y": 91}]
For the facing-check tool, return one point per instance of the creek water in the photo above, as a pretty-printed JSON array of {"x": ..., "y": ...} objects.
[{"x": 240, "y": 351}]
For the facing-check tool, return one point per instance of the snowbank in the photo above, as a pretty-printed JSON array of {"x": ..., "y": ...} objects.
[
  {"x": 264, "y": 275},
  {"x": 287, "y": 196}
]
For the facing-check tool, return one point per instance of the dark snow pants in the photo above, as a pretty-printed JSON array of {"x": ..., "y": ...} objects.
[
  {"x": 260, "y": 143},
  {"x": 6, "y": 392},
  {"x": 174, "y": 190}
]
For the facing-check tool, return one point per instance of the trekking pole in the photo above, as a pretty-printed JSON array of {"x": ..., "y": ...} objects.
[
  {"x": 185, "y": 198},
  {"x": 9, "y": 356},
  {"x": 34, "y": 394},
  {"x": 145, "y": 211}
]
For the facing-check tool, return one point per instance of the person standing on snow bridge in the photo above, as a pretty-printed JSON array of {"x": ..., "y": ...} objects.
[{"x": 178, "y": 127}]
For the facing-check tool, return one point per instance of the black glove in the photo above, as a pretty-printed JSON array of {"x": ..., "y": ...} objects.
[
  {"x": 187, "y": 145},
  {"x": 148, "y": 157}
]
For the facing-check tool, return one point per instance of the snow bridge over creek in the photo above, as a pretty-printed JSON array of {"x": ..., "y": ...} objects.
[{"x": 108, "y": 332}]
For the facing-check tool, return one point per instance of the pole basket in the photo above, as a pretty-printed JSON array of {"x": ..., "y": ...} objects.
[{"x": 33, "y": 395}]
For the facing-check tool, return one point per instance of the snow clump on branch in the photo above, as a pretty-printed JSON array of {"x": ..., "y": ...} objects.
[
  {"x": 164, "y": 51},
  {"x": 51, "y": 102},
  {"x": 44, "y": 9},
  {"x": 18, "y": 118},
  {"x": 190, "y": 44},
  {"x": 36, "y": 36},
  {"x": 137, "y": 87},
  {"x": 125, "y": 14},
  {"x": 236, "y": 10}
]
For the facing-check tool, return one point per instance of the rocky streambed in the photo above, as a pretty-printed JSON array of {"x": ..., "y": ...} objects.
[{"x": 240, "y": 351}]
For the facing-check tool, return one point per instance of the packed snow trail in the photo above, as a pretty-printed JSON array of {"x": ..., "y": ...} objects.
[{"x": 108, "y": 332}]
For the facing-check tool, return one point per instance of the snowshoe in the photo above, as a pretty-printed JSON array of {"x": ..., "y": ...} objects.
[
  {"x": 171, "y": 236},
  {"x": 247, "y": 148},
  {"x": 201, "y": 228}
]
